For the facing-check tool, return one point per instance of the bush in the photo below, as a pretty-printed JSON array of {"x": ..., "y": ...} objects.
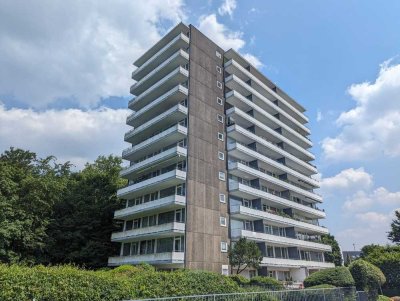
[
  {"x": 367, "y": 277},
  {"x": 383, "y": 298},
  {"x": 60, "y": 283},
  {"x": 268, "y": 282},
  {"x": 239, "y": 279},
  {"x": 338, "y": 276}
]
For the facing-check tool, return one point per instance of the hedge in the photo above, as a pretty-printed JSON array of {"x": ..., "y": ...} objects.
[
  {"x": 239, "y": 279},
  {"x": 367, "y": 277},
  {"x": 268, "y": 282},
  {"x": 68, "y": 283},
  {"x": 338, "y": 276},
  {"x": 383, "y": 298},
  {"x": 319, "y": 286}
]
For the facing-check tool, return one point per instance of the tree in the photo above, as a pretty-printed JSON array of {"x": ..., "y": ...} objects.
[
  {"x": 29, "y": 188},
  {"x": 244, "y": 254},
  {"x": 394, "y": 234},
  {"x": 335, "y": 256},
  {"x": 83, "y": 222},
  {"x": 367, "y": 277}
]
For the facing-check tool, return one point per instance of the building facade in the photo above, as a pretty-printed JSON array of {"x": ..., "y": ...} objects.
[{"x": 218, "y": 152}]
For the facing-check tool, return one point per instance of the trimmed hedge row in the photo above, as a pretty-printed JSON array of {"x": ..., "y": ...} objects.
[{"x": 67, "y": 283}]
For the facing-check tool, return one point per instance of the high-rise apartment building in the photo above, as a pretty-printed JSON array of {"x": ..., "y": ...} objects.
[{"x": 218, "y": 152}]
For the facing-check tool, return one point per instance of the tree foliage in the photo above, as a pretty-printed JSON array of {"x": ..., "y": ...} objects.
[
  {"x": 50, "y": 214},
  {"x": 335, "y": 256},
  {"x": 394, "y": 234},
  {"x": 387, "y": 259},
  {"x": 244, "y": 254}
]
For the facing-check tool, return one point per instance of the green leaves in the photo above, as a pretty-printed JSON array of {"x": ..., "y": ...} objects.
[
  {"x": 244, "y": 254},
  {"x": 338, "y": 276},
  {"x": 335, "y": 256},
  {"x": 394, "y": 234}
]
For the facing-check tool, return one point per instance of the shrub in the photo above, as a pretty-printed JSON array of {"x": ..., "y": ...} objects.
[
  {"x": 338, "y": 276},
  {"x": 367, "y": 277},
  {"x": 383, "y": 298},
  {"x": 239, "y": 279},
  {"x": 268, "y": 282},
  {"x": 59, "y": 283}
]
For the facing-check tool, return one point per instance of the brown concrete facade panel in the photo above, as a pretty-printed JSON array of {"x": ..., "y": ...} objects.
[{"x": 203, "y": 230}]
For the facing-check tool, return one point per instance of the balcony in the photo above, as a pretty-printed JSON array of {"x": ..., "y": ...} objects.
[
  {"x": 158, "y": 106},
  {"x": 237, "y": 100},
  {"x": 245, "y": 213},
  {"x": 243, "y": 152},
  {"x": 280, "y": 240},
  {"x": 236, "y": 84},
  {"x": 237, "y": 169},
  {"x": 155, "y": 259},
  {"x": 171, "y": 116},
  {"x": 264, "y": 146},
  {"x": 158, "y": 231},
  {"x": 165, "y": 204},
  {"x": 233, "y": 67},
  {"x": 163, "y": 159},
  {"x": 176, "y": 77},
  {"x": 245, "y": 120},
  {"x": 168, "y": 179},
  {"x": 152, "y": 144},
  {"x": 247, "y": 192},
  {"x": 293, "y": 263},
  {"x": 171, "y": 43},
  {"x": 179, "y": 58}
]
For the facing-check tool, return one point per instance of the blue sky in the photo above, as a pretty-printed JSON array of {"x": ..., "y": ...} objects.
[{"x": 65, "y": 77}]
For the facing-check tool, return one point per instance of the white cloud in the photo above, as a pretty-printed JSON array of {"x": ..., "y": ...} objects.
[
  {"x": 227, "y": 8},
  {"x": 71, "y": 135},
  {"x": 82, "y": 50},
  {"x": 347, "y": 179},
  {"x": 220, "y": 34},
  {"x": 253, "y": 60},
  {"x": 374, "y": 218},
  {"x": 319, "y": 116},
  {"x": 370, "y": 129}
]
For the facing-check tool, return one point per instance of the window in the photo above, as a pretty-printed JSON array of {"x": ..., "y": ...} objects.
[
  {"x": 220, "y": 118},
  {"x": 221, "y": 156},
  {"x": 219, "y": 84},
  {"x": 248, "y": 225},
  {"x": 220, "y": 136},
  {"x": 224, "y": 246},
  {"x": 128, "y": 225},
  {"x": 180, "y": 189},
  {"x": 219, "y": 69},
  {"x": 225, "y": 270},
  {"x": 179, "y": 244},
  {"x": 218, "y": 54},
  {"x": 222, "y": 198},
  {"x": 222, "y": 221},
  {"x": 220, "y": 101},
  {"x": 221, "y": 176}
]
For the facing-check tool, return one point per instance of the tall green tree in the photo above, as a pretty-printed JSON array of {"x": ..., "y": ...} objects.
[
  {"x": 29, "y": 188},
  {"x": 244, "y": 254},
  {"x": 394, "y": 234},
  {"x": 335, "y": 256},
  {"x": 83, "y": 221}
]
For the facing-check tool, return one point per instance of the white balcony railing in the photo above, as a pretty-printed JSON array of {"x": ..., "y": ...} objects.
[
  {"x": 236, "y": 111},
  {"x": 293, "y": 263},
  {"x": 154, "y": 258},
  {"x": 174, "y": 176},
  {"x": 254, "y": 214},
  {"x": 270, "y": 145},
  {"x": 169, "y": 202},
  {"x": 245, "y": 101},
  {"x": 280, "y": 240},
  {"x": 164, "y": 230},
  {"x": 281, "y": 183},
  {"x": 254, "y": 79},
  {"x": 176, "y": 151},
  {"x": 272, "y": 162},
  {"x": 246, "y": 191}
]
